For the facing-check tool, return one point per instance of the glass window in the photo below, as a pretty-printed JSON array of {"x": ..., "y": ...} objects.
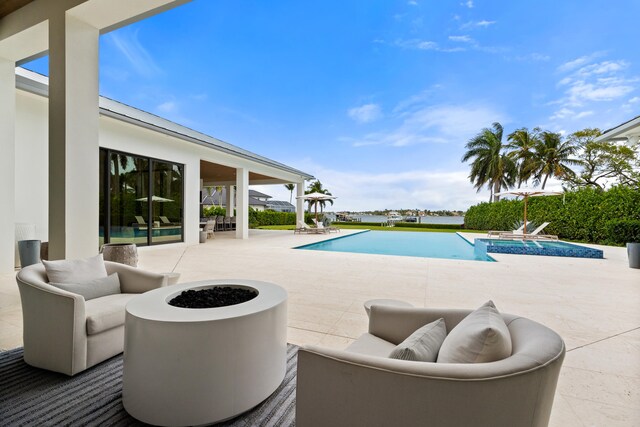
[
  {"x": 141, "y": 199},
  {"x": 129, "y": 195},
  {"x": 166, "y": 181}
]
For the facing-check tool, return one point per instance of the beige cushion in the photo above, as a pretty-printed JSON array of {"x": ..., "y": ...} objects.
[
  {"x": 94, "y": 289},
  {"x": 480, "y": 337},
  {"x": 371, "y": 345},
  {"x": 106, "y": 312},
  {"x": 422, "y": 345},
  {"x": 75, "y": 270}
]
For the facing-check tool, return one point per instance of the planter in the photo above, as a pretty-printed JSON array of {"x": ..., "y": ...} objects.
[
  {"x": 123, "y": 253},
  {"x": 24, "y": 231},
  {"x": 29, "y": 251},
  {"x": 203, "y": 237},
  {"x": 633, "y": 251}
]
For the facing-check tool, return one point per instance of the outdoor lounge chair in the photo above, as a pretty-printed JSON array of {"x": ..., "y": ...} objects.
[
  {"x": 498, "y": 233},
  {"x": 534, "y": 235},
  {"x": 320, "y": 226},
  {"x": 362, "y": 386},
  {"x": 304, "y": 228},
  {"x": 165, "y": 220},
  {"x": 140, "y": 220}
]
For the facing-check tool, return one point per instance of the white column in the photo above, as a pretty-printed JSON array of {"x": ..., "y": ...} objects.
[
  {"x": 242, "y": 199},
  {"x": 73, "y": 138},
  {"x": 7, "y": 164},
  {"x": 230, "y": 201},
  {"x": 299, "y": 202}
]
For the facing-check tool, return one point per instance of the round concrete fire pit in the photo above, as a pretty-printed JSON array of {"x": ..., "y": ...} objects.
[{"x": 199, "y": 366}]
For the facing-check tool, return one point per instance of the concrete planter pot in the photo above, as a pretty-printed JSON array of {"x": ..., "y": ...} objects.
[
  {"x": 633, "y": 251},
  {"x": 123, "y": 253}
]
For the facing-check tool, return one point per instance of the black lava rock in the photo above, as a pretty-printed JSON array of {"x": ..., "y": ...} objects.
[{"x": 218, "y": 296}]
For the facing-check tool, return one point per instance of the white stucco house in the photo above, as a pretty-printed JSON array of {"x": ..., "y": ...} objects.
[{"x": 108, "y": 171}]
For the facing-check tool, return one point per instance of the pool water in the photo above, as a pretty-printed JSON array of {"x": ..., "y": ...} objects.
[
  {"x": 402, "y": 243},
  {"x": 535, "y": 247}
]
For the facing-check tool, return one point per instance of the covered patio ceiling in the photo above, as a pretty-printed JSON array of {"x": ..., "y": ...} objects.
[{"x": 217, "y": 174}]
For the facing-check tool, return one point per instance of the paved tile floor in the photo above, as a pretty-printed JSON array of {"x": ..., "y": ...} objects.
[{"x": 593, "y": 304}]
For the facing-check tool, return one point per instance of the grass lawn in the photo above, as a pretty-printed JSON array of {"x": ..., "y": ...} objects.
[{"x": 374, "y": 227}]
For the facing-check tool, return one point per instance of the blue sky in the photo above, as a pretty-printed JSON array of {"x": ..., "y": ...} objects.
[{"x": 378, "y": 98}]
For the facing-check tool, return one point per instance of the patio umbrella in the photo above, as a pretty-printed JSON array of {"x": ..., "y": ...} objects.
[
  {"x": 154, "y": 199},
  {"x": 525, "y": 193},
  {"x": 315, "y": 197}
]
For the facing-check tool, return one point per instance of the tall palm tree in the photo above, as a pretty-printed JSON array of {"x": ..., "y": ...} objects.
[
  {"x": 490, "y": 165},
  {"x": 290, "y": 187},
  {"x": 316, "y": 187},
  {"x": 522, "y": 142},
  {"x": 552, "y": 157}
]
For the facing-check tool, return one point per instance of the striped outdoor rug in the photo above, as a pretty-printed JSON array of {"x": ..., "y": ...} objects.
[{"x": 35, "y": 397}]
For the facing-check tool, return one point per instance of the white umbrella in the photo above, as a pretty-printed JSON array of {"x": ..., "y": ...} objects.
[
  {"x": 154, "y": 199},
  {"x": 525, "y": 193},
  {"x": 316, "y": 196}
]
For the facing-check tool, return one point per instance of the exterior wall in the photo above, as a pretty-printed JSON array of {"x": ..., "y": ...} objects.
[
  {"x": 32, "y": 163},
  {"x": 31, "y": 200}
]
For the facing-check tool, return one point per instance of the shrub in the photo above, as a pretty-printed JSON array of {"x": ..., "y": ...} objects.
[
  {"x": 623, "y": 231},
  {"x": 261, "y": 218},
  {"x": 578, "y": 215}
]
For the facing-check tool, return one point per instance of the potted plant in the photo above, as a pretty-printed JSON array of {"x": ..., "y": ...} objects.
[{"x": 627, "y": 231}]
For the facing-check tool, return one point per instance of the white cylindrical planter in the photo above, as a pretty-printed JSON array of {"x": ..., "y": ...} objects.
[
  {"x": 201, "y": 366},
  {"x": 24, "y": 231}
]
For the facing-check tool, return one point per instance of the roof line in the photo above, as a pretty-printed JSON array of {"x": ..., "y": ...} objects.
[
  {"x": 618, "y": 129},
  {"x": 36, "y": 83}
]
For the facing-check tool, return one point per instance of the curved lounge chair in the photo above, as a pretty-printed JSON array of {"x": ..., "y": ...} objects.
[{"x": 362, "y": 386}]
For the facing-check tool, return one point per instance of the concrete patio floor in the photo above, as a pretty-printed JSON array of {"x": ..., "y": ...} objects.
[{"x": 593, "y": 304}]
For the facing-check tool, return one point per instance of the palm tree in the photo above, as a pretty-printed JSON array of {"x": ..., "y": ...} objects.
[
  {"x": 290, "y": 187},
  {"x": 552, "y": 157},
  {"x": 219, "y": 191},
  {"x": 316, "y": 187},
  {"x": 522, "y": 143},
  {"x": 490, "y": 165}
]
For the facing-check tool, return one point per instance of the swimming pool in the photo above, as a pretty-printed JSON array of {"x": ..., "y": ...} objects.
[
  {"x": 402, "y": 243},
  {"x": 535, "y": 247}
]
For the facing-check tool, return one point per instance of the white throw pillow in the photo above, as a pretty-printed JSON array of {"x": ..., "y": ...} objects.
[
  {"x": 95, "y": 288},
  {"x": 480, "y": 337},
  {"x": 76, "y": 270},
  {"x": 422, "y": 345}
]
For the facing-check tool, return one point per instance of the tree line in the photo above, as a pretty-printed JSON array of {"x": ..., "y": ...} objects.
[{"x": 534, "y": 156}]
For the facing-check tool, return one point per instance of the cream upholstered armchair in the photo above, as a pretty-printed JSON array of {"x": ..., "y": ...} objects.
[
  {"x": 363, "y": 387},
  {"x": 64, "y": 333}
]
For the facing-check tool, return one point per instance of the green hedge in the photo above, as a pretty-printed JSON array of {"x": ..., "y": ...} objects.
[
  {"x": 624, "y": 231},
  {"x": 581, "y": 215},
  {"x": 261, "y": 218}
]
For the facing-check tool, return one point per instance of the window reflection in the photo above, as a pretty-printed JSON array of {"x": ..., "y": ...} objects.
[{"x": 142, "y": 208}]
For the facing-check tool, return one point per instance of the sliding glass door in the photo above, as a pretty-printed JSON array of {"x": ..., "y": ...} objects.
[{"x": 141, "y": 199}]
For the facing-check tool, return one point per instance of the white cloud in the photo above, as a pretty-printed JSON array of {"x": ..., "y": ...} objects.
[
  {"x": 365, "y": 191},
  {"x": 579, "y": 62},
  {"x": 468, "y": 4},
  {"x": 420, "y": 123},
  {"x": 167, "y": 107},
  {"x": 477, "y": 24},
  {"x": 412, "y": 3},
  {"x": 366, "y": 113},
  {"x": 587, "y": 81},
  {"x": 126, "y": 41},
  {"x": 634, "y": 100},
  {"x": 462, "y": 39}
]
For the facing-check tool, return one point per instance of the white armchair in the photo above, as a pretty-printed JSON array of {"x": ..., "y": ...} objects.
[{"x": 64, "y": 333}]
